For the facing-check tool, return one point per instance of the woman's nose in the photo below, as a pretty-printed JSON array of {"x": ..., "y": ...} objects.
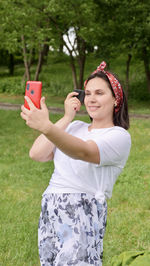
[{"x": 92, "y": 98}]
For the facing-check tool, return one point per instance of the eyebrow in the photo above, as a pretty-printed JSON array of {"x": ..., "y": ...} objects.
[{"x": 95, "y": 90}]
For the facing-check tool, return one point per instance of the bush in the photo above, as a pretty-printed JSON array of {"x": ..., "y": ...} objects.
[
  {"x": 57, "y": 80},
  {"x": 138, "y": 90},
  {"x": 12, "y": 85}
]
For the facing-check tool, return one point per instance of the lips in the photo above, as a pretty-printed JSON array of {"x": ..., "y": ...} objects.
[{"x": 93, "y": 108}]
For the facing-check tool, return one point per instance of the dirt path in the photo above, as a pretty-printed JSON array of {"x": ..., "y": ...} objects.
[
  {"x": 57, "y": 110},
  {"x": 54, "y": 110}
]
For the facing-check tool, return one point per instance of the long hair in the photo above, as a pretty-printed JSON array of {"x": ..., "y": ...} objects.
[{"x": 120, "y": 118}]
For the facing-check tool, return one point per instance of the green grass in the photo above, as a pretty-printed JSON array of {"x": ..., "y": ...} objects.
[
  {"x": 22, "y": 182},
  {"x": 128, "y": 225},
  {"x": 51, "y": 100}
]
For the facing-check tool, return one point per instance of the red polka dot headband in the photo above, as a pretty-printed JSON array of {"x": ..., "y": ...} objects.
[{"x": 116, "y": 86}]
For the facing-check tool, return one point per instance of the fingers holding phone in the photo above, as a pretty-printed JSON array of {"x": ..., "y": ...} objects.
[
  {"x": 71, "y": 105},
  {"x": 34, "y": 91},
  {"x": 81, "y": 95},
  {"x": 34, "y": 110},
  {"x": 35, "y": 118}
]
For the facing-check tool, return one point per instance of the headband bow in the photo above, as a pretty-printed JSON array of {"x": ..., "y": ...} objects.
[{"x": 116, "y": 86}]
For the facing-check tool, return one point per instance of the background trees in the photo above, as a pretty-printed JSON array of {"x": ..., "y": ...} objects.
[
  {"x": 26, "y": 30},
  {"x": 74, "y": 23},
  {"x": 106, "y": 28},
  {"x": 134, "y": 26}
]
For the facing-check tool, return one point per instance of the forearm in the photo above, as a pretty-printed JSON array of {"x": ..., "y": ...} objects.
[
  {"x": 70, "y": 145},
  {"x": 42, "y": 148}
]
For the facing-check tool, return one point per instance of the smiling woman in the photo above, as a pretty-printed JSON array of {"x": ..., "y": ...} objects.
[
  {"x": 88, "y": 158},
  {"x": 120, "y": 108},
  {"x": 99, "y": 102}
]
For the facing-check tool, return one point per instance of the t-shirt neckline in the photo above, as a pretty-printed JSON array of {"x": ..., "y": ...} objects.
[{"x": 96, "y": 129}]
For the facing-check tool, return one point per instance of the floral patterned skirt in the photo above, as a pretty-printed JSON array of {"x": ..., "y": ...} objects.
[{"x": 71, "y": 230}]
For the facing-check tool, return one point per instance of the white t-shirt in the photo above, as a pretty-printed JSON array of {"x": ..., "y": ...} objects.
[{"x": 77, "y": 176}]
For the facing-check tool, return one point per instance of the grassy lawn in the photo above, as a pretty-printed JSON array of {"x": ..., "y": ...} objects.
[
  {"x": 57, "y": 101},
  {"x": 22, "y": 182}
]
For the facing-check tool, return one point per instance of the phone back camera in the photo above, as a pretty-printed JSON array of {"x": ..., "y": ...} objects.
[
  {"x": 32, "y": 92},
  {"x": 28, "y": 85}
]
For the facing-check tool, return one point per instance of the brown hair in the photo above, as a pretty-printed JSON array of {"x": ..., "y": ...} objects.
[{"x": 121, "y": 118}]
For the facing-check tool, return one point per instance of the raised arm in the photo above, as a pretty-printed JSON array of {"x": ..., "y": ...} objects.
[
  {"x": 42, "y": 148},
  {"x": 70, "y": 145}
]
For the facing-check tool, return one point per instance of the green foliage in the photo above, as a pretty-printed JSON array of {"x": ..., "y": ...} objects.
[
  {"x": 132, "y": 21},
  {"x": 80, "y": 16},
  {"x": 12, "y": 85},
  {"x": 138, "y": 92},
  {"x": 57, "y": 77},
  {"x": 114, "y": 27}
]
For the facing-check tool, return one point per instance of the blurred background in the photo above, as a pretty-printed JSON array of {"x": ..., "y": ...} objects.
[{"x": 60, "y": 43}]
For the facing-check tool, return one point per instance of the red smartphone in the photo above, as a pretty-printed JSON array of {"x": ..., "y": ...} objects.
[{"x": 34, "y": 91}]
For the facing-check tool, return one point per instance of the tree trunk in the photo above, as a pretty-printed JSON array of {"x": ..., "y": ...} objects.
[
  {"x": 74, "y": 74},
  {"x": 25, "y": 58},
  {"x": 42, "y": 53},
  {"x": 29, "y": 64},
  {"x": 61, "y": 44},
  {"x": 82, "y": 56},
  {"x": 81, "y": 65},
  {"x": 39, "y": 65},
  {"x": 146, "y": 65},
  {"x": 127, "y": 73},
  {"x": 11, "y": 64}
]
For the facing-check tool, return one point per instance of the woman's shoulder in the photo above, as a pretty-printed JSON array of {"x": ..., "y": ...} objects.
[
  {"x": 113, "y": 134},
  {"x": 120, "y": 134},
  {"x": 112, "y": 130},
  {"x": 121, "y": 130},
  {"x": 76, "y": 125}
]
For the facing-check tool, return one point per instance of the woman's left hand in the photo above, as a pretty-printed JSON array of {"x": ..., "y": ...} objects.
[{"x": 36, "y": 118}]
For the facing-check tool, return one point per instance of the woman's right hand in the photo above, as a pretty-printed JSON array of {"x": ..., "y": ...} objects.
[{"x": 72, "y": 105}]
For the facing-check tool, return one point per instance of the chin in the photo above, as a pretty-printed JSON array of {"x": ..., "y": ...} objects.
[{"x": 96, "y": 117}]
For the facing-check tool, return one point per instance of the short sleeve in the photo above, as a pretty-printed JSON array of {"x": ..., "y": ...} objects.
[
  {"x": 114, "y": 148},
  {"x": 70, "y": 126},
  {"x": 75, "y": 126}
]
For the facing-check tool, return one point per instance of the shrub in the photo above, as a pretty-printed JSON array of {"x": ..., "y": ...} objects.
[{"x": 12, "y": 85}]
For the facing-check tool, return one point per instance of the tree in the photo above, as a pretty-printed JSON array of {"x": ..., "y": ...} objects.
[
  {"x": 134, "y": 29},
  {"x": 74, "y": 18},
  {"x": 127, "y": 31},
  {"x": 8, "y": 36},
  {"x": 26, "y": 28}
]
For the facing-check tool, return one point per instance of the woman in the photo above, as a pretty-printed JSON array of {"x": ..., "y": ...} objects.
[{"x": 88, "y": 158}]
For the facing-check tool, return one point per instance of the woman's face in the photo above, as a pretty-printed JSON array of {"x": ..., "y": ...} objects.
[{"x": 99, "y": 100}]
